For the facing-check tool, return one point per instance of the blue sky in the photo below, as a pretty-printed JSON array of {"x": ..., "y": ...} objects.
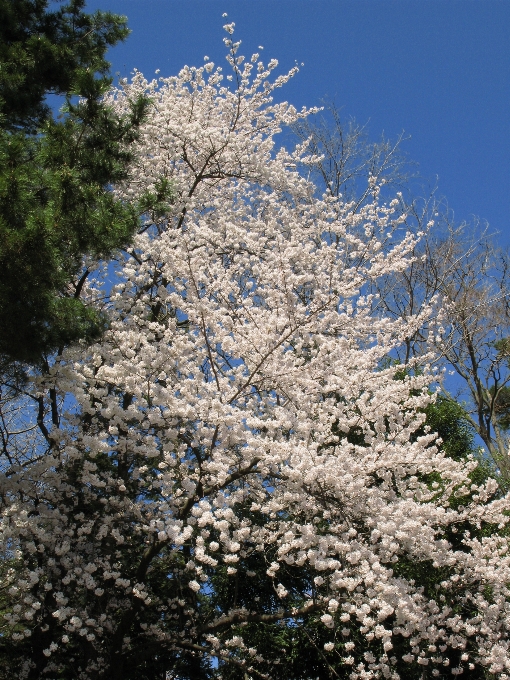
[{"x": 437, "y": 69}]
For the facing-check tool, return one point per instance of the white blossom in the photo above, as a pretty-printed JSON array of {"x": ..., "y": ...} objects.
[{"x": 241, "y": 350}]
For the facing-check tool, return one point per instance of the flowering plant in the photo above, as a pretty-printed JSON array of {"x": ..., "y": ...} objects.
[{"x": 236, "y": 423}]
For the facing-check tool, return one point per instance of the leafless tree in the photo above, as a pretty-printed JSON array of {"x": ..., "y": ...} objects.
[
  {"x": 463, "y": 270},
  {"x": 457, "y": 267},
  {"x": 475, "y": 290},
  {"x": 346, "y": 157}
]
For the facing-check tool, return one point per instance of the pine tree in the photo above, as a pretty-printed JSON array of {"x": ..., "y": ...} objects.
[{"x": 56, "y": 205}]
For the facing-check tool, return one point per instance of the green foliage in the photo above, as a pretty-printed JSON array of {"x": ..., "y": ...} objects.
[
  {"x": 448, "y": 419},
  {"x": 43, "y": 51},
  {"x": 501, "y": 393},
  {"x": 55, "y": 175}
]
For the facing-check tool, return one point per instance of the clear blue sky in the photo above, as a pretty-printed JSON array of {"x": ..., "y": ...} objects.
[{"x": 437, "y": 69}]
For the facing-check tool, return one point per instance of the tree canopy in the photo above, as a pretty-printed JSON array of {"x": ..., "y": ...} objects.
[{"x": 234, "y": 468}]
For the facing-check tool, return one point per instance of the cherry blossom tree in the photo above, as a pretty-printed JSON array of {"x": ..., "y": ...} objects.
[{"x": 237, "y": 425}]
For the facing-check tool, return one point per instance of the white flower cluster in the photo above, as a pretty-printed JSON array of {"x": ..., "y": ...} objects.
[{"x": 207, "y": 432}]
